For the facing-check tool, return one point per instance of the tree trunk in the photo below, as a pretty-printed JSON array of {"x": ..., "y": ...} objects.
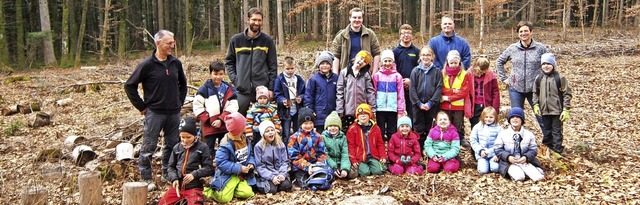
[
  {"x": 223, "y": 34},
  {"x": 266, "y": 25},
  {"x": 45, "y": 26},
  {"x": 189, "y": 27},
  {"x": 90, "y": 188},
  {"x": 423, "y": 19},
  {"x": 245, "y": 10},
  {"x": 620, "y": 13},
  {"x": 594, "y": 21},
  {"x": 161, "y": 14},
  {"x": 281, "y": 24},
  {"x": 83, "y": 25},
  {"x": 73, "y": 32},
  {"x": 314, "y": 23},
  {"x": 20, "y": 35},
  {"x": 605, "y": 13},
  {"x": 581, "y": 10},
  {"x": 451, "y": 8},
  {"x": 105, "y": 28},
  {"x": 480, "y": 46},
  {"x": 328, "y": 27},
  {"x": 64, "y": 38},
  {"x": 532, "y": 11},
  {"x": 4, "y": 49},
  {"x": 134, "y": 193},
  {"x": 122, "y": 28},
  {"x": 432, "y": 17},
  {"x": 565, "y": 18}
]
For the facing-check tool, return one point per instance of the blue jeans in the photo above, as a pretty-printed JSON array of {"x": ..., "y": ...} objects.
[
  {"x": 517, "y": 100},
  {"x": 487, "y": 165},
  {"x": 153, "y": 124}
]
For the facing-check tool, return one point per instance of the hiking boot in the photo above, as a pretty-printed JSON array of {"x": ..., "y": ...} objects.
[{"x": 151, "y": 185}]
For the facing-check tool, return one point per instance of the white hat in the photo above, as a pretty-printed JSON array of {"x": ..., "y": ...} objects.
[
  {"x": 387, "y": 54},
  {"x": 124, "y": 151}
]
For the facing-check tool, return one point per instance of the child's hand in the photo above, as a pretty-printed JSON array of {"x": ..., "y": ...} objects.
[
  {"x": 298, "y": 99},
  {"x": 187, "y": 178},
  {"x": 495, "y": 158},
  {"x": 483, "y": 154},
  {"x": 512, "y": 160},
  {"x": 245, "y": 169},
  {"x": 445, "y": 98},
  {"x": 522, "y": 160},
  {"x": 406, "y": 82},
  {"x": 216, "y": 123},
  {"x": 275, "y": 180},
  {"x": 383, "y": 161}
]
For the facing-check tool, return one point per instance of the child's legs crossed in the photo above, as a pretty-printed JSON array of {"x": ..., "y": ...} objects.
[{"x": 396, "y": 169}]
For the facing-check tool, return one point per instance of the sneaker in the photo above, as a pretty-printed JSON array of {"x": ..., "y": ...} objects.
[{"x": 151, "y": 185}]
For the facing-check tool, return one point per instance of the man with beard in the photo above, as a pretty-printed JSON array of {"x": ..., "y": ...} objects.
[
  {"x": 447, "y": 41},
  {"x": 251, "y": 60},
  {"x": 353, "y": 39}
]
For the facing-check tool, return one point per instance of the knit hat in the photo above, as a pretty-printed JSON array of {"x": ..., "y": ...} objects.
[
  {"x": 516, "y": 112},
  {"x": 306, "y": 114},
  {"x": 235, "y": 123},
  {"x": 404, "y": 121},
  {"x": 264, "y": 125},
  {"x": 364, "y": 108},
  {"x": 453, "y": 55},
  {"x": 388, "y": 54},
  {"x": 549, "y": 58},
  {"x": 188, "y": 125},
  {"x": 262, "y": 91},
  {"x": 333, "y": 119},
  {"x": 365, "y": 55},
  {"x": 324, "y": 56}
]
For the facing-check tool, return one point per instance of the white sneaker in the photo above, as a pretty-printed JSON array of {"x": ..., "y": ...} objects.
[{"x": 151, "y": 185}]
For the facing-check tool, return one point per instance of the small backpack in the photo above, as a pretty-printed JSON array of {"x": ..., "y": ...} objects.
[
  {"x": 321, "y": 179},
  {"x": 556, "y": 78}
]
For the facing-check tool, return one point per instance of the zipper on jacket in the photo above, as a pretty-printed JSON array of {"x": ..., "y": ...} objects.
[{"x": 184, "y": 166}]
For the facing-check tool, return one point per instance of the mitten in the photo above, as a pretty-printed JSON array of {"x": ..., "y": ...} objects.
[
  {"x": 408, "y": 158},
  {"x": 564, "y": 116},
  {"x": 536, "y": 109},
  {"x": 402, "y": 159}
]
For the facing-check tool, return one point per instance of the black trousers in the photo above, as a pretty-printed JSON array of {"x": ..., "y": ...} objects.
[
  {"x": 477, "y": 111},
  {"x": 552, "y": 132},
  {"x": 423, "y": 122},
  {"x": 387, "y": 122}
]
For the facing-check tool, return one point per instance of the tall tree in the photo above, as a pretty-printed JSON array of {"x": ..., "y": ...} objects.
[
  {"x": 432, "y": 16},
  {"x": 594, "y": 21},
  {"x": 423, "y": 18},
  {"x": 532, "y": 11},
  {"x": 281, "y": 24},
  {"x": 64, "y": 48},
  {"x": 266, "y": 21},
  {"x": 566, "y": 11},
  {"x": 605, "y": 12},
  {"x": 314, "y": 23},
  {"x": 106, "y": 25},
  {"x": 161, "y": 14},
  {"x": 45, "y": 26},
  {"x": 480, "y": 46},
  {"x": 223, "y": 34},
  {"x": 83, "y": 25},
  {"x": 4, "y": 49},
  {"x": 620, "y": 13},
  {"x": 122, "y": 28},
  {"x": 189, "y": 27},
  {"x": 20, "y": 34}
]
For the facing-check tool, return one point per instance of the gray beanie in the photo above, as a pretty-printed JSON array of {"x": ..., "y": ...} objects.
[
  {"x": 549, "y": 58},
  {"x": 324, "y": 56}
]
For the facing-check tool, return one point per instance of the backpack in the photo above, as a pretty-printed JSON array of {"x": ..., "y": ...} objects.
[
  {"x": 556, "y": 78},
  {"x": 321, "y": 179}
]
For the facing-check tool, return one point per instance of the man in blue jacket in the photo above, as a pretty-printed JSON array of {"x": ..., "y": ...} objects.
[
  {"x": 447, "y": 41},
  {"x": 251, "y": 61}
]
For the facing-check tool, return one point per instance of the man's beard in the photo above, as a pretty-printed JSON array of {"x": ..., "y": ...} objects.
[{"x": 254, "y": 29}]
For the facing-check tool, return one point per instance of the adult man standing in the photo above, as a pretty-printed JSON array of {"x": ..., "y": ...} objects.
[
  {"x": 406, "y": 56},
  {"x": 447, "y": 41},
  {"x": 165, "y": 88},
  {"x": 251, "y": 60},
  {"x": 349, "y": 41}
]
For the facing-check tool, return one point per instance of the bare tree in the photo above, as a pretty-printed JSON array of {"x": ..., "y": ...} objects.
[
  {"x": 189, "y": 27},
  {"x": 281, "y": 24},
  {"x": 4, "y": 48},
  {"x": 83, "y": 25},
  {"x": 480, "y": 46},
  {"x": 532, "y": 11},
  {"x": 605, "y": 12},
  {"x": 566, "y": 11},
  {"x": 266, "y": 25},
  {"x": 423, "y": 19},
  {"x": 161, "y": 14},
  {"x": 223, "y": 34},
  {"x": 432, "y": 16},
  {"x": 581, "y": 10},
  {"x": 45, "y": 24},
  {"x": 105, "y": 29},
  {"x": 122, "y": 28},
  {"x": 20, "y": 34}
]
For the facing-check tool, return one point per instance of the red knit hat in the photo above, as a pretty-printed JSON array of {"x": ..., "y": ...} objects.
[{"x": 235, "y": 123}]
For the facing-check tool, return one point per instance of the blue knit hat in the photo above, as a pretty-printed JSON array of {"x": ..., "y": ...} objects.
[
  {"x": 516, "y": 112},
  {"x": 404, "y": 121},
  {"x": 549, "y": 58}
]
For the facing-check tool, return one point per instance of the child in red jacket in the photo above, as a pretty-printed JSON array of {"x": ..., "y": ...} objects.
[
  {"x": 404, "y": 149},
  {"x": 457, "y": 92},
  {"x": 366, "y": 147},
  {"x": 485, "y": 89}
]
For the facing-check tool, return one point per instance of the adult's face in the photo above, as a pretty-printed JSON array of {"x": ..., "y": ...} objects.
[
  {"x": 406, "y": 36},
  {"x": 356, "y": 20},
  {"x": 255, "y": 22},
  {"x": 166, "y": 45},
  {"x": 447, "y": 25},
  {"x": 524, "y": 33}
]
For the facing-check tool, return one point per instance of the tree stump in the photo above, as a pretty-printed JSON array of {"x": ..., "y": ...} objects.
[
  {"x": 42, "y": 119},
  {"x": 6, "y": 111},
  {"x": 90, "y": 188},
  {"x": 29, "y": 108},
  {"x": 35, "y": 196},
  {"x": 134, "y": 193}
]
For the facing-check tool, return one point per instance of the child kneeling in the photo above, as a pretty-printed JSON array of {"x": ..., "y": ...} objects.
[
  {"x": 404, "y": 149},
  {"x": 366, "y": 147},
  {"x": 272, "y": 161},
  {"x": 517, "y": 149},
  {"x": 442, "y": 146}
]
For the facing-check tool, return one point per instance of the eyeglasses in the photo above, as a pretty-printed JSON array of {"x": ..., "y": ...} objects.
[
  {"x": 406, "y": 34},
  {"x": 426, "y": 55}
]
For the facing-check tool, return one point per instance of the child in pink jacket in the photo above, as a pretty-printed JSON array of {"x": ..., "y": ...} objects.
[
  {"x": 389, "y": 95},
  {"x": 404, "y": 149}
]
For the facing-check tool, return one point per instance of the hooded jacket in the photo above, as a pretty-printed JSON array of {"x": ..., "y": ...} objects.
[
  {"x": 526, "y": 65},
  {"x": 549, "y": 97},
  {"x": 306, "y": 148},
  {"x": 357, "y": 144},
  {"x": 444, "y": 144},
  {"x": 320, "y": 95},
  {"x": 281, "y": 92},
  {"x": 271, "y": 160},
  {"x": 389, "y": 90},
  {"x": 341, "y": 45},
  {"x": 490, "y": 89},
  {"x": 426, "y": 86},
  {"x": 259, "y": 113},
  {"x": 251, "y": 62},
  {"x": 196, "y": 161},
  {"x": 208, "y": 107},
  {"x": 229, "y": 165},
  {"x": 505, "y": 147},
  {"x": 354, "y": 89},
  {"x": 404, "y": 145},
  {"x": 337, "y": 150},
  {"x": 483, "y": 137}
]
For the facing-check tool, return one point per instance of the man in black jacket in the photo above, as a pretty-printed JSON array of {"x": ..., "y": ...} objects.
[
  {"x": 251, "y": 61},
  {"x": 165, "y": 88}
]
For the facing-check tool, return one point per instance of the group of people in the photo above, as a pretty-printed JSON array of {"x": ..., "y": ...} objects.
[{"x": 364, "y": 111}]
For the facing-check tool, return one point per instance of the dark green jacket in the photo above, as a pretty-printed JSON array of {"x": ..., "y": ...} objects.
[{"x": 337, "y": 150}]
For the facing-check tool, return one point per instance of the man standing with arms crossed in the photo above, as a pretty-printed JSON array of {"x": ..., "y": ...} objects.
[
  {"x": 352, "y": 39},
  {"x": 165, "y": 87}
]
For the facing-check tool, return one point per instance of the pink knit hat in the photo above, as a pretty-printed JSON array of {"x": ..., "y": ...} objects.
[
  {"x": 262, "y": 91},
  {"x": 235, "y": 123}
]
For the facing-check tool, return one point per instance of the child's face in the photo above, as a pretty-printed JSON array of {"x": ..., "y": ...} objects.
[
  {"x": 547, "y": 68},
  {"x": 269, "y": 134},
  {"x": 489, "y": 119},
  {"x": 325, "y": 67},
  {"x": 404, "y": 129},
  {"x": 406, "y": 35},
  {"x": 454, "y": 64},
  {"x": 359, "y": 62},
  {"x": 387, "y": 63},
  {"x": 187, "y": 138},
  {"x": 307, "y": 126},
  {"x": 289, "y": 69},
  {"x": 333, "y": 130},
  {"x": 363, "y": 118},
  {"x": 443, "y": 121},
  {"x": 477, "y": 71},
  {"x": 262, "y": 100},
  {"x": 426, "y": 58},
  {"x": 515, "y": 121},
  {"x": 217, "y": 76}
]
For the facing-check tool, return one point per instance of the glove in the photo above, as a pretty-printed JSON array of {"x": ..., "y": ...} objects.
[
  {"x": 564, "y": 116},
  {"x": 402, "y": 159},
  {"x": 536, "y": 109},
  {"x": 408, "y": 158}
]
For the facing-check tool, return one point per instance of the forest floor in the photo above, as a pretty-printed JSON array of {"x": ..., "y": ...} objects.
[{"x": 601, "y": 164}]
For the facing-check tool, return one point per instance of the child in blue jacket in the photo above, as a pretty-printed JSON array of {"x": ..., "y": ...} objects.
[
  {"x": 289, "y": 92},
  {"x": 320, "y": 93}
]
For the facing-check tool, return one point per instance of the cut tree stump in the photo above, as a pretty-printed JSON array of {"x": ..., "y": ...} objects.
[
  {"x": 134, "y": 193},
  {"x": 29, "y": 108},
  {"x": 35, "y": 196},
  {"x": 6, "y": 111},
  {"x": 42, "y": 119},
  {"x": 90, "y": 188}
]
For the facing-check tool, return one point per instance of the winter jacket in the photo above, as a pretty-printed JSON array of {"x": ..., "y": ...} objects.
[
  {"x": 341, "y": 45},
  {"x": 164, "y": 87},
  {"x": 251, "y": 62},
  {"x": 228, "y": 165},
  {"x": 426, "y": 86},
  {"x": 389, "y": 90},
  {"x": 337, "y": 150},
  {"x": 505, "y": 147},
  {"x": 459, "y": 100},
  {"x": 404, "y": 145},
  {"x": 195, "y": 161},
  {"x": 306, "y": 148},
  {"x": 281, "y": 92},
  {"x": 406, "y": 59},
  {"x": 208, "y": 107},
  {"x": 483, "y": 137},
  {"x": 441, "y": 45},
  {"x": 320, "y": 95},
  {"x": 354, "y": 89},
  {"x": 441, "y": 144},
  {"x": 490, "y": 90},
  {"x": 526, "y": 65},
  {"x": 259, "y": 113},
  {"x": 550, "y": 99},
  {"x": 357, "y": 145},
  {"x": 272, "y": 160}
]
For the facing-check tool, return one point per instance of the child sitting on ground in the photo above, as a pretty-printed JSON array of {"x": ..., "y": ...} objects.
[
  {"x": 482, "y": 138},
  {"x": 367, "y": 151},
  {"x": 442, "y": 146},
  {"x": 306, "y": 148},
  {"x": 272, "y": 161},
  {"x": 404, "y": 150},
  {"x": 517, "y": 149},
  {"x": 337, "y": 148}
]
